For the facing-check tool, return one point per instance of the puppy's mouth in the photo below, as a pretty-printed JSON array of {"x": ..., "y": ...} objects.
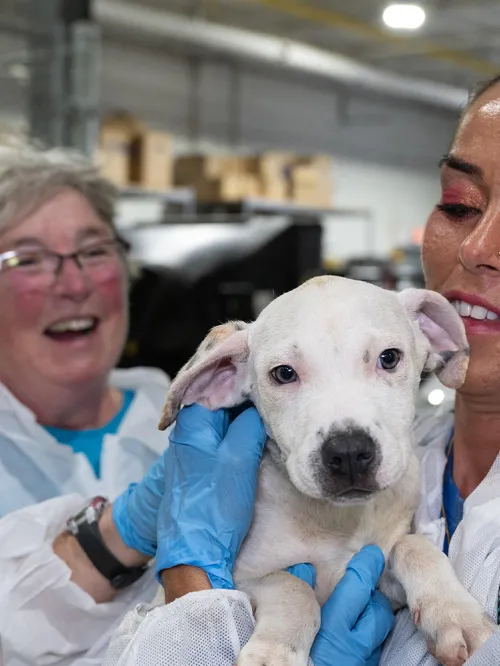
[
  {"x": 353, "y": 496},
  {"x": 71, "y": 329}
]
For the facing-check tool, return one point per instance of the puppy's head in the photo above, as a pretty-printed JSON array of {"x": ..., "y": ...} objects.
[{"x": 333, "y": 368}]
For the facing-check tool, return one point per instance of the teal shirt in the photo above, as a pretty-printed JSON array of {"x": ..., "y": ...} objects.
[{"x": 89, "y": 442}]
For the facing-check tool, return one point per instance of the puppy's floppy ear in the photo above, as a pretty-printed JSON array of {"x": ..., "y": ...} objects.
[
  {"x": 443, "y": 328},
  {"x": 215, "y": 376}
]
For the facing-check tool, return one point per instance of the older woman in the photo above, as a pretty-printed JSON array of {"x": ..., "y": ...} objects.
[
  {"x": 63, "y": 289},
  {"x": 72, "y": 427},
  {"x": 460, "y": 488}
]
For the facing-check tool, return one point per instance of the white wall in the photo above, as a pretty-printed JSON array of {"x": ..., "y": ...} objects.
[{"x": 400, "y": 200}]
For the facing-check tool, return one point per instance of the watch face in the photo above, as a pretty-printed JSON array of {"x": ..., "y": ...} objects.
[{"x": 89, "y": 514}]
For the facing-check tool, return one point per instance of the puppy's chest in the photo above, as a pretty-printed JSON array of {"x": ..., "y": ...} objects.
[{"x": 289, "y": 528}]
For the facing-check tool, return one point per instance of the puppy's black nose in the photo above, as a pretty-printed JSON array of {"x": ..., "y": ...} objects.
[{"x": 349, "y": 453}]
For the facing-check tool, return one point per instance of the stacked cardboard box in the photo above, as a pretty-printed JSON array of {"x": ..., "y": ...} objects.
[
  {"x": 215, "y": 177},
  {"x": 271, "y": 171},
  {"x": 131, "y": 154},
  {"x": 310, "y": 181},
  {"x": 277, "y": 176}
]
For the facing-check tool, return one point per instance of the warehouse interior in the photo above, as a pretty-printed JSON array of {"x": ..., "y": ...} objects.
[{"x": 255, "y": 143}]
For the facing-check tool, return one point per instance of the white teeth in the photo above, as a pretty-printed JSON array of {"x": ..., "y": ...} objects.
[
  {"x": 72, "y": 325},
  {"x": 464, "y": 309},
  {"x": 474, "y": 311},
  {"x": 478, "y": 312}
]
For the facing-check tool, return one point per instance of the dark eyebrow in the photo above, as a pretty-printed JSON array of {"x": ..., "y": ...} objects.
[{"x": 458, "y": 164}]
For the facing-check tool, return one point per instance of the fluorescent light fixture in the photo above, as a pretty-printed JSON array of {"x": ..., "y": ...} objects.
[
  {"x": 436, "y": 397},
  {"x": 404, "y": 16}
]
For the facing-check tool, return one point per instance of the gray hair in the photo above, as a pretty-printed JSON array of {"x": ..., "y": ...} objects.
[{"x": 30, "y": 176}]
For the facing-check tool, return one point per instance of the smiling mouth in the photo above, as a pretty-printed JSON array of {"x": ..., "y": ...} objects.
[
  {"x": 66, "y": 330},
  {"x": 477, "y": 312}
]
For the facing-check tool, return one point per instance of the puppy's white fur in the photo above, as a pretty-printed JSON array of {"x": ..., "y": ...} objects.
[{"x": 331, "y": 331}]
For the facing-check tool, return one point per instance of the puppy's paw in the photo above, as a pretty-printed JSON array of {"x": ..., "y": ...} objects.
[
  {"x": 267, "y": 653},
  {"x": 455, "y": 627}
]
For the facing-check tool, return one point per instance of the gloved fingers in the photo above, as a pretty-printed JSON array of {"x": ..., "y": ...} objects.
[
  {"x": 374, "y": 658},
  {"x": 305, "y": 572},
  {"x": 353, "y": 592},
  {"x": 375, "y": 623},
  {"x": 245, "y": 439},
  {"x": 199, "y": 427}
]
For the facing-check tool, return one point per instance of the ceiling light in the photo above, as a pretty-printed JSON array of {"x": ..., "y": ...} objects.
[{"x": 403, "y": 16}]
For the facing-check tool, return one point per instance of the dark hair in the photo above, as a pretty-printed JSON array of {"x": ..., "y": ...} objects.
[
  {"x": 480, "y": 88},
  {"x": 475, "y": 93}
]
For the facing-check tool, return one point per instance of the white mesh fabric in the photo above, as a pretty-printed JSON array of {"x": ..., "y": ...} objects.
[
  {"x": 406, "y": 647},
  {"x": 201, "y": 629}
]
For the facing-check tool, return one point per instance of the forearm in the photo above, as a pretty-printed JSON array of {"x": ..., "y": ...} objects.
[
  {"x": 181, "y": 580},
  {"x": 83, "y": 572}
]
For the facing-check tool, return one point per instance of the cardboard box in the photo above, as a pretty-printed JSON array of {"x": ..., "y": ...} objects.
[
  {"x": 117, "y": 132},
  {"x": 310, "y": 181},
  {"x": 190, "y": 168},
  {"x": 151, "y": 161},
  {"x": 271, "y": 169},
  {"x": 274, "y": 190},
  {"x": 277, "y": 176},
  {"x": 230, "y": 187}
]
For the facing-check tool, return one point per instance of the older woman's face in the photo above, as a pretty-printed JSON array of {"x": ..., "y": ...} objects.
[
  {"x": 65, "y": 328},
  {"x": 461, "y": 250}
]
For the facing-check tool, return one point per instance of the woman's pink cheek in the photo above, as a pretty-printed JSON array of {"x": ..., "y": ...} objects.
[{"x": 113, "y": 292}]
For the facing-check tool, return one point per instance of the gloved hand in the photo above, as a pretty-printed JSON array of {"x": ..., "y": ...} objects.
[
  {"x": 135, "y": 511},
  {"x": 210, "y": 484},
  {"x": 357, "y": 618}
]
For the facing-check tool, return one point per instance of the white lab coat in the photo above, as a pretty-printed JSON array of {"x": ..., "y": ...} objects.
[
  {"x": 207, "y": 628},
  {"x": 45, "y": 619}
]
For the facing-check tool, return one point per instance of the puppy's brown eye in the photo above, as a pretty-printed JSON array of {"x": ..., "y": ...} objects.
[
  {"x": 284, "y": 374},
  {"x": 389, "y": 359}
]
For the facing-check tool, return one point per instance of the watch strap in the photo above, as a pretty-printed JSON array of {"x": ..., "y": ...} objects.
[{"x": 90, "y": 539}]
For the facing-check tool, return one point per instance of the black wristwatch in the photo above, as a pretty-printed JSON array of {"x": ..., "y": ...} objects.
[{"x": 85, "y": 527}]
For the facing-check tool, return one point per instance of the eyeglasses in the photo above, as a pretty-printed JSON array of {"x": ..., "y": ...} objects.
[{"x": 44, "y": 265}]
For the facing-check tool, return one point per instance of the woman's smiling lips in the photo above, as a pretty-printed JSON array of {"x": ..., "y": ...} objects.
[{"x": 479, "y": 316}]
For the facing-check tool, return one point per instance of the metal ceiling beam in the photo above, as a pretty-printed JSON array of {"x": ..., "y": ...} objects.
[
  {"x": 325, "y": 17},
  {"x": 295, "y": 56}
]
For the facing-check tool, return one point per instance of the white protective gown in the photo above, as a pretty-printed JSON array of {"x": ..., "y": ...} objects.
[
  {"x": 208, "y": 628},
  {"x": 45, "y": 619}
]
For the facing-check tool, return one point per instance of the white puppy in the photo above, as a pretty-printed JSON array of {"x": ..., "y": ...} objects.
[{"x": 333, "y": 368}]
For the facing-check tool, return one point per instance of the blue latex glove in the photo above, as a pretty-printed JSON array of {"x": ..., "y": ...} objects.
[
  {"x": 210, "y": 483},
  {"x": 357, "y": 618},
  {"x": 135, "y": 511}
]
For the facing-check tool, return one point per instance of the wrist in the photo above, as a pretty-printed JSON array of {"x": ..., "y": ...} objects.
[
  {"x": 175, "y": 552},
  {"x": 83, "y": 572},
  {"x": 181, "y": 580},
  {"x": 112, "y": 539},
  {"x": 134, "y": 514}
]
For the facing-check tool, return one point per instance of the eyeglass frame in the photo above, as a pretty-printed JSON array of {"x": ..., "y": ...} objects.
[{"x": 117, "y": 242}]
